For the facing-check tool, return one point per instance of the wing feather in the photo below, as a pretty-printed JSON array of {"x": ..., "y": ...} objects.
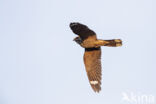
[
  {"x": 92, "y": 61},
  {"x": 82, "y": 30}
]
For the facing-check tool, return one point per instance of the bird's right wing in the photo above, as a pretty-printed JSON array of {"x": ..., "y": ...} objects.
[
  {"x": 92, "y": 61},
  {"x": 82, "y": 30}
]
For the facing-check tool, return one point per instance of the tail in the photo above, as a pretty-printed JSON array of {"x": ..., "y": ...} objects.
[
  {"x": 110, "y": 43},
  {"x": 114, "y": 43}
]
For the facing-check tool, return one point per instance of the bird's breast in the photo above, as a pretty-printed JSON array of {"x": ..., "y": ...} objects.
[{"x": 88, "y": 44}]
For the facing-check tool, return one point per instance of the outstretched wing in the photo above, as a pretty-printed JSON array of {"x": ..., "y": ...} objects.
[
  {"x": 92, "y": 61},
  {"x": 82, "y": 30}
]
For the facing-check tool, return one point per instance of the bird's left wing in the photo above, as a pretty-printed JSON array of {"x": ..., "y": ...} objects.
[{"x": 92, "y": 61}]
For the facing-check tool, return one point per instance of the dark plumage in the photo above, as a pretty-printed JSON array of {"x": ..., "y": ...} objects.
[{"x": 82, "y": 30}]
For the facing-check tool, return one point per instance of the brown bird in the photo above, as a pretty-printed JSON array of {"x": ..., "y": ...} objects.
[{"x": 92, "y": 56}]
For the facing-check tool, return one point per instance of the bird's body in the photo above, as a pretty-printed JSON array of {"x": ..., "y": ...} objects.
[
  {"x": 87, "y": 43},
  {"x": 92, "y": 56}
]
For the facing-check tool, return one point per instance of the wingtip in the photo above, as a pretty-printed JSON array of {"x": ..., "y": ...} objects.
[
  {"x": 73, "y": 24},
  {"x": 96, "y": 88}
]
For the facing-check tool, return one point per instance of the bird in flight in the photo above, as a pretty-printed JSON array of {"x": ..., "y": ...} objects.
[{"x": 92, "y": 57}]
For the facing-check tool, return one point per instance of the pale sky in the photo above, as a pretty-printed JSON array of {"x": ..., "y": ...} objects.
[{"x": 40, "y": 64}]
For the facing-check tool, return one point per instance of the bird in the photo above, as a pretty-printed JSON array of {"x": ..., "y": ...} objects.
[{"x": 87, "y": 39}]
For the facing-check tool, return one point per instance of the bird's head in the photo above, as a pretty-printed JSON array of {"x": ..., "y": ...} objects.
[{"x": 78, "y": 40}]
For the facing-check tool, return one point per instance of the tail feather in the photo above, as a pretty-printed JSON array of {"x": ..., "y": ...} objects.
[
  {"x": 114, "y": 43},
  {"x": 110, "y": 43}
]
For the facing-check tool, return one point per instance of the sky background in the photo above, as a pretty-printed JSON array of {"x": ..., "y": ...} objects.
[{"x": 40, "y": 64}]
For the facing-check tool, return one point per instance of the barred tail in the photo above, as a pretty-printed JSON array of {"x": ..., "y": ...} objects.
[
  {"x": 109, "y": 43},
  {"x": 113, "y": 43}
]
